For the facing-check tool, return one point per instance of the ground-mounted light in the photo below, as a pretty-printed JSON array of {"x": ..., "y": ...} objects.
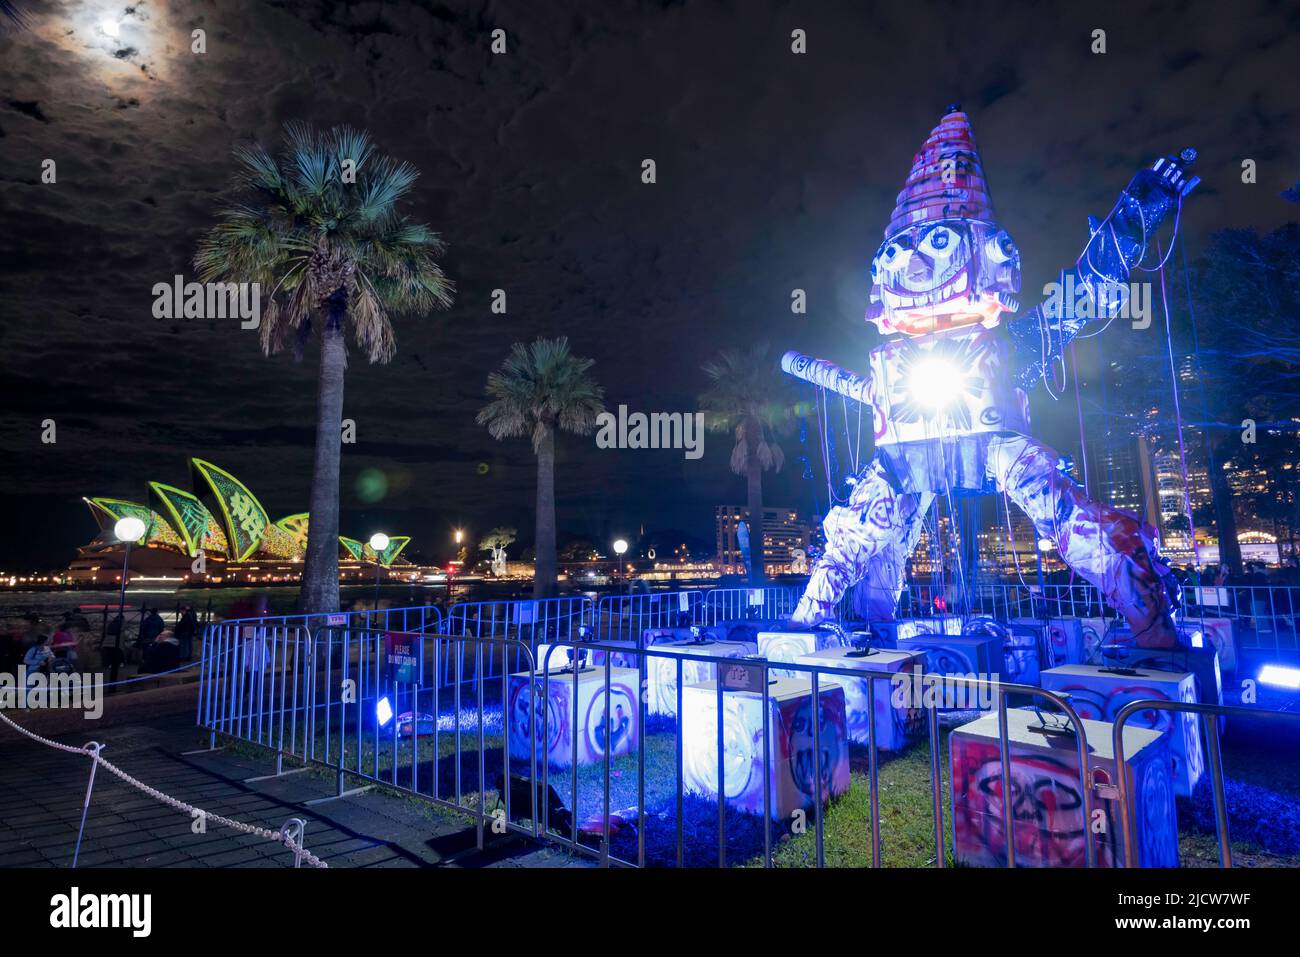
[
  {"x": 1280, "y": 676},
  {"x": 383, "y": 711}
]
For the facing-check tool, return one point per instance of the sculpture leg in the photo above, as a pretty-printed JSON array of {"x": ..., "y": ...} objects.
[
  {"x": 1110, "y": 548},
  {"x": 875, "y": 597},
  {"x": 870, "y": 537}
]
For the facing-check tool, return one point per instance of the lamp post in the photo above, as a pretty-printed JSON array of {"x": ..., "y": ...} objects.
[
  {"x": 378, "y": 542},
  {"x": 128, "y": 531},
  {"x": 620, "y": 546},
  {"x": 457, "y": 536}
]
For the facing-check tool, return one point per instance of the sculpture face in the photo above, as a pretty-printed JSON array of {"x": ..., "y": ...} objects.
[{"x": 942, "y": 275}]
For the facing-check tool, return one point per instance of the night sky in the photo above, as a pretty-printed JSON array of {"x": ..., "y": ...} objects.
[{"x": 775, "y": 171}]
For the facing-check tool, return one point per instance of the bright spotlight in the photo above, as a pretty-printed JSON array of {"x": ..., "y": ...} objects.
[
  {"x": 1198, "y": 639},
  {"x": 935, "y": 383},
  {"x": 379, "y": 541},
  {"x": 111, "y": 27},
  {"x": 1046, "y": 544},
  {"x": 384, "y": 711},
  {"x": 1280, "y": 676},
  {"x": 129, "y": 529},
  {"x": 620, "y": 547}
]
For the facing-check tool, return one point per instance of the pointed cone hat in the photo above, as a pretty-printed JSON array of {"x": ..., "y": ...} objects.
[{"x": 947, "y": 178}]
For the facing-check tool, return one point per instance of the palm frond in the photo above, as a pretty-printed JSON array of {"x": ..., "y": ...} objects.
[
  {"x": 541, "y": 386},
  {"x": 748, "y": 395},
  {"x": 291, "y": 223}
]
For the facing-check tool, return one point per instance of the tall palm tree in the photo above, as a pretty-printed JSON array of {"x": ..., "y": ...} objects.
[
  {"x": 748, "y": 396},
  {"x": 540, "y": 387},
  {"x": 320, "y": 228}
]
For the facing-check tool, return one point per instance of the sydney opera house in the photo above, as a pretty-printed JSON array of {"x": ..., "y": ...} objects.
[{"x": 219, "y": 533}]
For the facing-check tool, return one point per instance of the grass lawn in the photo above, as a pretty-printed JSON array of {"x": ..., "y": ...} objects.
[{"x": 1262, "y": 798}]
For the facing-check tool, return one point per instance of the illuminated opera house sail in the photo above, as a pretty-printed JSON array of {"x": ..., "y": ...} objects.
[{"x": 222, "y": 533}]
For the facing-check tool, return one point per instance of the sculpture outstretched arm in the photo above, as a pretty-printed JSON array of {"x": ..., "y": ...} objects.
[
  {"x": 827, "y": 375},
  {"x": 1097, "y": 286}
]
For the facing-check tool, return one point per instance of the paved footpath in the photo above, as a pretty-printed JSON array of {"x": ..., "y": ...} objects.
[{"x": 42, "y": 791}]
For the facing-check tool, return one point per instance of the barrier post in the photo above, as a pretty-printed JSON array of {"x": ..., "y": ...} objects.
[{"x": 94, "y": 747}]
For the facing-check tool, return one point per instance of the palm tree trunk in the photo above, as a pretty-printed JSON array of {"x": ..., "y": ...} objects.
[
  {"x": 754, "y": 479},
  {"x": 320, "y": 578},
  {"x": 544, "y": 583}
]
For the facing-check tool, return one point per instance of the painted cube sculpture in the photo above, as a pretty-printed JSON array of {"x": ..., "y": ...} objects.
[
  {"x": 1022, "y": 652},
  {"x": 1202, "y": 662},
  {"x": 661, "y": 669},
  {"x": 1096, "y": 633},
  {"x": 1046, "y": 796},
  {"x": 896, "y": 726},
  {"x": 1100, "y": 693},
  {"x": 953, "y": 655},
  {"x": 789, "y": 645},
  {"x": 1215, "y": 633},
  {"x": 791, "y": 764},
  {"x": 1064, "y": 639},
  {"x": 887, "y": 633},
  {"x": 562, "y": 718}
]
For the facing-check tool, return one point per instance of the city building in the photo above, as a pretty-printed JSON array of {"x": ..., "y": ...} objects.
[{"x": 785, "y": 540}]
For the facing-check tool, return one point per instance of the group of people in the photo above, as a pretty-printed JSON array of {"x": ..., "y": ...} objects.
[{"x": 72, "y": 646}]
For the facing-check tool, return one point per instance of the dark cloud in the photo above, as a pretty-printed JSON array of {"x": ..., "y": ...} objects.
[{"x": 775, "y": 171}]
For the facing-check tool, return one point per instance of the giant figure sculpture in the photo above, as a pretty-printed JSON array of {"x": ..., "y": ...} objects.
[{"x": 948, "y": 388}]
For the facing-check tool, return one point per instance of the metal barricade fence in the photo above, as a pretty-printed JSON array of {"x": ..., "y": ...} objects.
[
  {"x": 769, "y": 601},
  {"x": 360, "y": 702},
  {"x": 529, "y": 621},
  {"x": 626, "y": 617},
  {"x": 254, "y": 682},
  {"x": 1209, "y": 715},
  {"x": 427, "y": 618},
  {"x": 761, "y": 667},
  {"x": 373, "y": 705},
  {"x": 1266, "y": 617}
]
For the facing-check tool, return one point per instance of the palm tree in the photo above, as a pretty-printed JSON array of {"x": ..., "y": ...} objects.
[
  {"x": 540, "y": 387},
  {"x": 320, "y": 228},
  {"x": 747, "y": 396}
]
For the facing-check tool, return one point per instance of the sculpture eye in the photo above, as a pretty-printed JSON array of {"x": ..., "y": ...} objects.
[
  {"x": 891, "y": 251},
  {"x": 999, "y": 247},
  {"x": 940, "y": 242}
]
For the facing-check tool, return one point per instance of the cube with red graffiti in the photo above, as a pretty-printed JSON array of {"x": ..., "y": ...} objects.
[
  {"x": 790, "y": 763},
  {"x": 898, "y": 719},
  {"x": 571, "y": 717},
  {"x": 1046, "y": 794},
  {"x": 1100, "y": 693}
]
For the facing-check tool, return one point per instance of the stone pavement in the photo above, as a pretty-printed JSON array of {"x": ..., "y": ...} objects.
[{"x": 42, "y": 790}]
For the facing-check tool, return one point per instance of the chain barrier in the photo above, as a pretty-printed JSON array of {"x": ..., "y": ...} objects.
[{"x": 284, "y": 836}]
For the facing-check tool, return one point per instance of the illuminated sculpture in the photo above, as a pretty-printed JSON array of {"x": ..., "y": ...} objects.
[{"x": 947, "y": 391}]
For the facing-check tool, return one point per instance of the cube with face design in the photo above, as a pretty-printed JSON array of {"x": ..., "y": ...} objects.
[{"x": 933, "y": 276}]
